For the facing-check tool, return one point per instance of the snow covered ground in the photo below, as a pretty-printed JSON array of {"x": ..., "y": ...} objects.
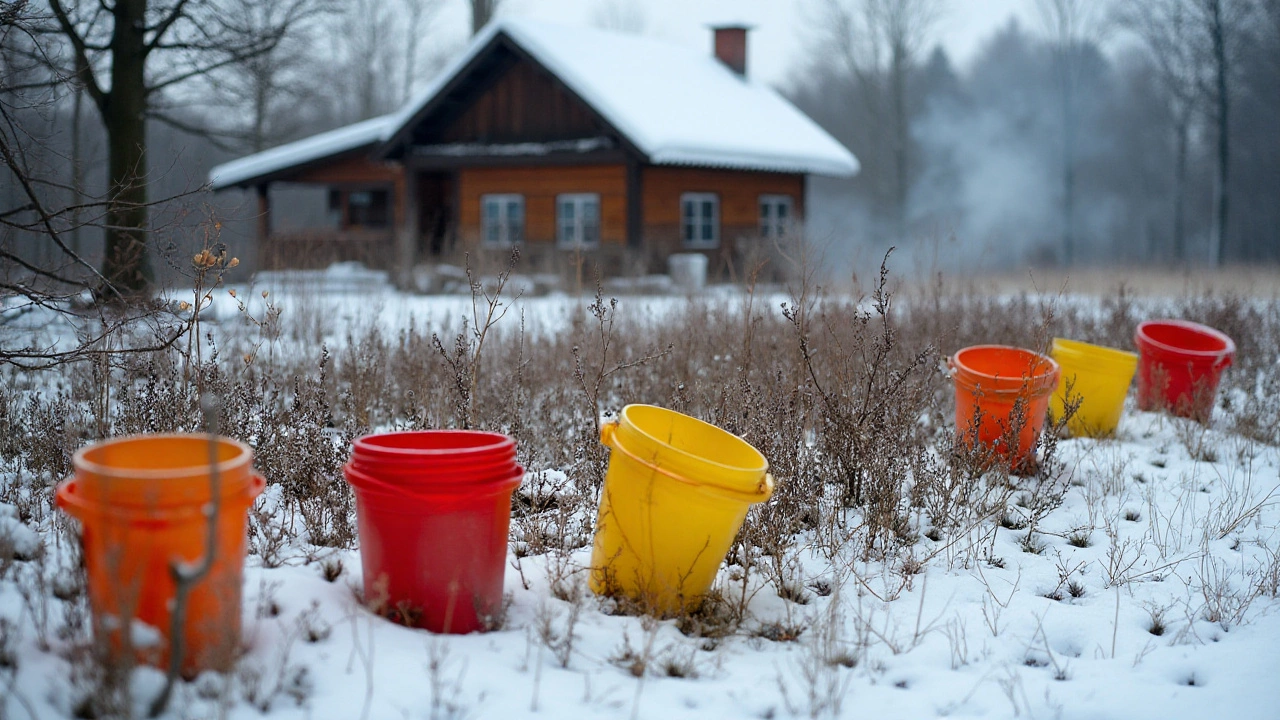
[{"x": 1186, "y": 541}]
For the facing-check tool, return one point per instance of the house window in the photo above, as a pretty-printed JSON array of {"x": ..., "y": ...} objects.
[
  {"x": 775, "y": 215},
  {"x": 501, "y": 220},
  {"x": 369, "y": 208},
  {"x": 578, "y": 220},
  {"x": 700, "y": 218}
]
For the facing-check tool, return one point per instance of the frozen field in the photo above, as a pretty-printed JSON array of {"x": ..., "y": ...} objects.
[{"x": 1152, "y": 591}]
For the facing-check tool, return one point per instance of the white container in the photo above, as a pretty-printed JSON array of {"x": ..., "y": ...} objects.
[{"x": 688, "y": 271}]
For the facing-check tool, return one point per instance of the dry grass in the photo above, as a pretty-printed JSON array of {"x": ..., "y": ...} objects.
[{"x": 845, "y": 394}]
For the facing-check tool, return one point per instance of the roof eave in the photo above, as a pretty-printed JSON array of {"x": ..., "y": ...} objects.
[
  {"x": 289, "y": 158},
  {"x": 828, "y": 167}
]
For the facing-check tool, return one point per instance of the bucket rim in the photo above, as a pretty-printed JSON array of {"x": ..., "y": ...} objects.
[
  {"x": 70, "y": 500},
  {"x": 1102, "y": 354},
  {"x": 1140, "y": 337},
  {"x": 363, "y": 481},
  {"x": 80, "y": 461},
  {"x": 761, "y": 493},
  {"x": 367, "y": 447},
  {"x": 1040, "y": 383},
  {"x": 763, "y": 468}
]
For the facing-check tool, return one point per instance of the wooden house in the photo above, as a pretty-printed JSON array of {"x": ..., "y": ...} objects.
[{"x": 570, "y": 141}]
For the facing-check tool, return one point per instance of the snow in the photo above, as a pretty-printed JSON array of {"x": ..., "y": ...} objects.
[
  {"x": 677, "y": 106},
  {"x": 967, "y": 637},
  {"x": 584, "y": 145},
  {"x": 980, "y": 641},
  {"x": 19, "y": 540},
  {"x": 316, "y": 147}
]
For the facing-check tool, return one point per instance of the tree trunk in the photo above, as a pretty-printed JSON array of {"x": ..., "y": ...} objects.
[
  {"x": 898, "y": 72},
  {"x": 1218, "y": 33},
  {"x": 1183, "y": 131},
  {"x": 1068, "y": 157},
  {"x": 481, "y": 14},
  {"x": 77, "y": 167},
  {"x": 411, "y": 49},
  {"x": 126, "y": 264},
  {"x": 262, "y": 90}
]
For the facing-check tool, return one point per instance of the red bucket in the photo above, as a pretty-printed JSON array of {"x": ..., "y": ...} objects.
[
  {"x": 433, "y": 524},
  {"x": 453, "y": 456},
  {"x": 992, "y": 380},
  {"x": 1179, "y": 366}
]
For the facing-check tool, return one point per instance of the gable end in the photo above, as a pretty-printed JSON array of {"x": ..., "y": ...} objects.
[{"x": 504, "y": 96}]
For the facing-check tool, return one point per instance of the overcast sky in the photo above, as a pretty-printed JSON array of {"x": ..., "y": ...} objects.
[{"x": 782, "y": 27}]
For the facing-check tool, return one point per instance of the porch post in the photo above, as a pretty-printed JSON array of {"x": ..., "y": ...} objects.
[
  {"x": 264, "y": 224},
  {"x": 408, "y": 233},
  {"x": 635, "y": 204}
]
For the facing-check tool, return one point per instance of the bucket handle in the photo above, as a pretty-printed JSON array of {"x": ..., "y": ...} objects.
[{"x": 607, "y": 431}]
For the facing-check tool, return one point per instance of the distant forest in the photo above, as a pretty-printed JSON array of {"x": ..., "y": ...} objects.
[
  {"x": 1132, "y": 132},
  {"x": 1043, "y": 150}
]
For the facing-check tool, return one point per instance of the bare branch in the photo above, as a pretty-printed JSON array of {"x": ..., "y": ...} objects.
[
  {"x": 84, "y": 69},
  {"x": 164, "y": 25}
]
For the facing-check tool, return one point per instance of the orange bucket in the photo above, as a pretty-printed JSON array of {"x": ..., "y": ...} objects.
[
  {"x": 991, "y": 380},
  {"x": 141, "y": 501}
]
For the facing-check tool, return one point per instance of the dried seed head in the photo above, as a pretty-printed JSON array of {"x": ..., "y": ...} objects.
[
  {"x": 233, "y": 262},
  {"x": 232, "y": 292},
  {"x": 204, "y": 259},
  {"x": 184, "y": 306},
  {"x": 264, "y": 294}
]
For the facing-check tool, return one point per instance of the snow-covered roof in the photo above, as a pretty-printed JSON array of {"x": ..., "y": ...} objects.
[
  {"x": 316, "y": 147},
  {"x": 676, "y": 105}
]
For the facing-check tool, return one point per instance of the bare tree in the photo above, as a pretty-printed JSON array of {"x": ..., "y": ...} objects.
[
  {"x": 879, "y": 42},
  {"x": 482, "y": 11},
  {"x": 1221, "y": 22},
  {"x": 128, "y": 55},
  {"x": 273, "y": 84},
  {"x": 904, "y": 25},
  {"x": 1166, "y": 28},
  {"x": 368, "y": 45},
  {"x": 1071, "y": 24},
  {"x": 624, "y": 16},
  {"x": 43, "y": 278},
  {"x": 419, "y": 15},
  {"x": 1196, "y": 46}
]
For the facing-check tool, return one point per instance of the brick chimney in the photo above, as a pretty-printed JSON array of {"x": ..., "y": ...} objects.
[{"x": 731, "y": 46}]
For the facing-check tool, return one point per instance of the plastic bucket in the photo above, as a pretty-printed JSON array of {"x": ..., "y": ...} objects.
[
  {"x": 675, "y": 495},
  {"x": 1180, "y": 366},
  {"x": 991, "y": 381},
  {"x": 141, "y": 501},
  {"x": 432, "y": 510},
  {"x": 429, "y": 457},
  {"x": 1100, "y": 378}
]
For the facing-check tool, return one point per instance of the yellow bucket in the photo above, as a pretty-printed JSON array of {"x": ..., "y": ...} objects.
[
  {"x": 1101, "y": 376},
  {"x": 675, "y": 496}
]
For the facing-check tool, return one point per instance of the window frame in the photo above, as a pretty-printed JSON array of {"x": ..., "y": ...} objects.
[
  {"x": 578, "y": 226},
  {"x": 700, "y": 221},
  {"x": 505, "y": 202},
  {"x": 369, "y": 208},
  {"x": 778, "y": 227}
]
